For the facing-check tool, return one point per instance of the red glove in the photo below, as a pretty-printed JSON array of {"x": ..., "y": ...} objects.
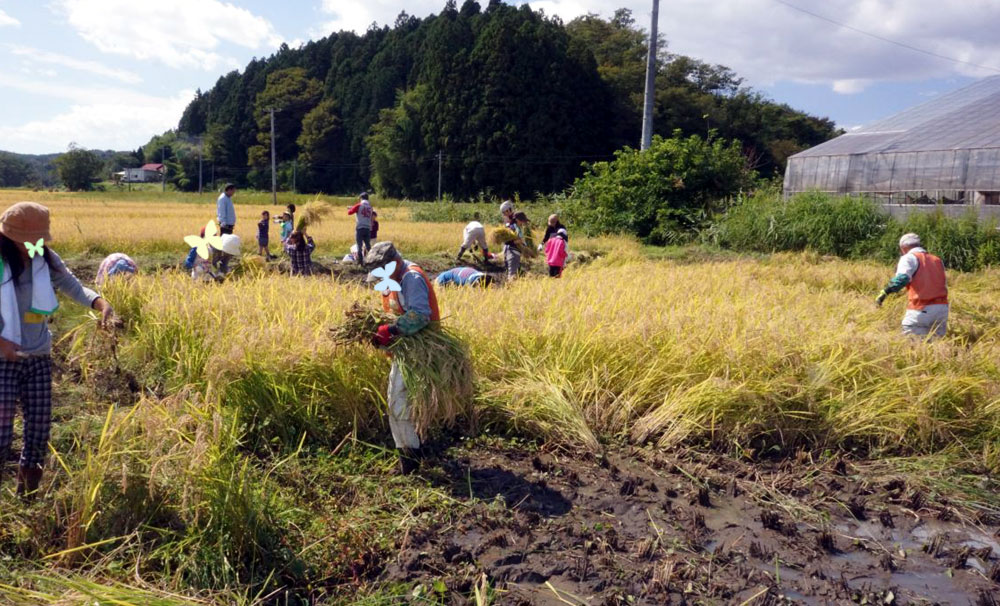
[{"x": 383, "y": 336}]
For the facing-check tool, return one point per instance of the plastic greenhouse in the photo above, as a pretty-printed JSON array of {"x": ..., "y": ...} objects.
[{"x": 946, "y": 150}]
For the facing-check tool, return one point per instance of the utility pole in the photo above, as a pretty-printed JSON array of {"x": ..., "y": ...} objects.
[
  {"x": 439, "y": 175},
  {"x": 163, "y": 161},
  {"x": 200, "y": 143},
  {"x": 274, "y": 176},
  {"x": 295, "y": 170},
  {"x": 647, "y": 110}
]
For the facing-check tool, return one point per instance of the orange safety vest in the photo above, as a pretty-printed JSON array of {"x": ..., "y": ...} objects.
[
  {"x": 391, "y": 304},
  {"x": 927, "y": 286}
]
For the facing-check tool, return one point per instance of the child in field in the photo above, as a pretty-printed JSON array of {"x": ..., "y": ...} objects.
[
  {"x": 28, "y": 283},
  {"x": 374, "y": 234},
  {"x": 263, "y": 248},
  {"x": 299, "y": 248},
  {"x": 290, "y": 209},
  {"x": 286, "y": 227},
  {"x": 555, "y": 253}
]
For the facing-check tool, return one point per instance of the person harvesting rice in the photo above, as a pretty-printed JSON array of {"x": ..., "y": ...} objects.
[
  {"x": 414, "y": 307},
  {"x": 474, "y": 235},
  {"x": 115, "y": 264},
  {"x": 922, "y": 275},
  {"x": 216, "y": 266},
  {"x": 31, "y": 273},
  {"x": 464, "y": 276}
]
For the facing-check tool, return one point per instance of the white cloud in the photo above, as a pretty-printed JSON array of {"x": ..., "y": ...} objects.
[
  {"x": 124, "y": 123},
  {"x": 179, "y": 33},
  {"x": 7, "y": 20},
  {"x": 766, "y": 42},
  {"x": 92, "y": 67},
  {"x": 849, "y": 86}
]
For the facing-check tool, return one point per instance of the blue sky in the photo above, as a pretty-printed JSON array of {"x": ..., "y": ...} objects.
[{"x": 111, "y": 73}]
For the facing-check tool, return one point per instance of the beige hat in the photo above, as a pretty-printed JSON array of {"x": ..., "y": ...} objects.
[{"x": 26, "y": 222}]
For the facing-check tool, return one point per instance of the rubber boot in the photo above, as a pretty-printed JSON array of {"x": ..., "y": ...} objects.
[
  {"x": 409, "y": 460},
  {"x": 28, "y": 478}
]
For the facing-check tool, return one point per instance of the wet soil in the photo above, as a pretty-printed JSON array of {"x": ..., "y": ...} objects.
[{"x": 641, "y": 527}]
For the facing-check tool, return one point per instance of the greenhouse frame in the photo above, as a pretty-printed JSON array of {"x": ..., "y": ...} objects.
[{"x": 946, "y": 150}]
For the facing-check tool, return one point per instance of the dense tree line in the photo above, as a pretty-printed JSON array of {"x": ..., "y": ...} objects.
[{"x": 507, "y": 99}]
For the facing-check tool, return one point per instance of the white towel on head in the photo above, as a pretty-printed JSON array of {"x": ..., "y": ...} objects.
[{"x": 43, "y": 297}]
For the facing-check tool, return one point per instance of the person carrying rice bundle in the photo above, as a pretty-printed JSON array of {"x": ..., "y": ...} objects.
[
  {"x": 414, "y": 307},
  {"x": 300, "y": 247},
  {"x": 513, "y": 249}
]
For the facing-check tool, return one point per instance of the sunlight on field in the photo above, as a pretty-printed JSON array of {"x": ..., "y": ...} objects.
[{"x": 115, "y": 222}]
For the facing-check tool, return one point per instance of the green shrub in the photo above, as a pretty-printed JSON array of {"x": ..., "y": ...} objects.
[
  {"x": 846, "y": 227},
  {"x": 851, "y": 227},
  {"x": 664, "y": 193}
]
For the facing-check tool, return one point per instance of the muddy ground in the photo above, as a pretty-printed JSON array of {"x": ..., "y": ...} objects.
[{"x": 639, "y": 527}]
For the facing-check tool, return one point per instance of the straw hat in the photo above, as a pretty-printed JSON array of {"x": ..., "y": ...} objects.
[
  {"x": 25, "y": 222},
  {"x": 231, "y": 244}
]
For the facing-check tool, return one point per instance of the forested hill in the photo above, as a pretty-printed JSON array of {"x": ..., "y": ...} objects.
[{"x": 512, "y": 100}]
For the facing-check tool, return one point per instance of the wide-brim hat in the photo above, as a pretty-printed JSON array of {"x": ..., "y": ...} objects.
[
  {"x": 231, "y": 244},
  {"x": 26, "y": 222}
]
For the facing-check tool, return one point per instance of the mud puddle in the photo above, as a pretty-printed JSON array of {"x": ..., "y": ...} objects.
[{"x": 638, "y": 527}]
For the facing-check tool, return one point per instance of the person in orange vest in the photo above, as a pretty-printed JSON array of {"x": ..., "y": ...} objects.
[
  {"x": 922, "y": 275},
  {"x": 415, "y": 307}
]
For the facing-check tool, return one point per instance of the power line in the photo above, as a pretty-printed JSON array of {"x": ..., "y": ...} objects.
[{"x": 884, "y": 39}]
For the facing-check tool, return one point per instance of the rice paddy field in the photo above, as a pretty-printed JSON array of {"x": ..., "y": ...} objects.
[{"x": 669, "y": 427}]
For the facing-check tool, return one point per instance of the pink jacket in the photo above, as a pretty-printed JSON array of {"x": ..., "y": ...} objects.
[{"x": 555, "y": 252}]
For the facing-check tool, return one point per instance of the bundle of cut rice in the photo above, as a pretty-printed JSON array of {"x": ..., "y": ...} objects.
[
  {"x": 436, "y": 366},
  {"x": 503, "y": 235},
  {"x": 313, "y": 214}
]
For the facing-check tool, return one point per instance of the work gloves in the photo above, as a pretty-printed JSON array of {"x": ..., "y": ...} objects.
[
  {"x": 880, "y": 298},
  {"x": 384, "y": 336}
]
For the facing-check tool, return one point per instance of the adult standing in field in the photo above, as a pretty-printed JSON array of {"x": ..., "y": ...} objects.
[
  {"x": 552, "y": 228},
  {"x": 474, "y": 235},
  {"x": 512, "y": 249},
  {"x": 507, "y": 211},
  {"x": 225, "y": 211},
  {"x": 28, "y": 281},
  {"x": 415, "y": 307},
  {"x": 464, "y": 276},
  {"x": 363, "y": 226},
  {"x": 226, "y": 215},
  {"x": 922, "y": 275}
]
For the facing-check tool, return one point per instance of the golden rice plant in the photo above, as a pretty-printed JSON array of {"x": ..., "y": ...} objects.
[{"x": 435, "y": 363}]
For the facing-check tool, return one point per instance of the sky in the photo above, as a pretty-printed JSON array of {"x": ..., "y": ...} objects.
[{"x": 109, "y": 74}]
